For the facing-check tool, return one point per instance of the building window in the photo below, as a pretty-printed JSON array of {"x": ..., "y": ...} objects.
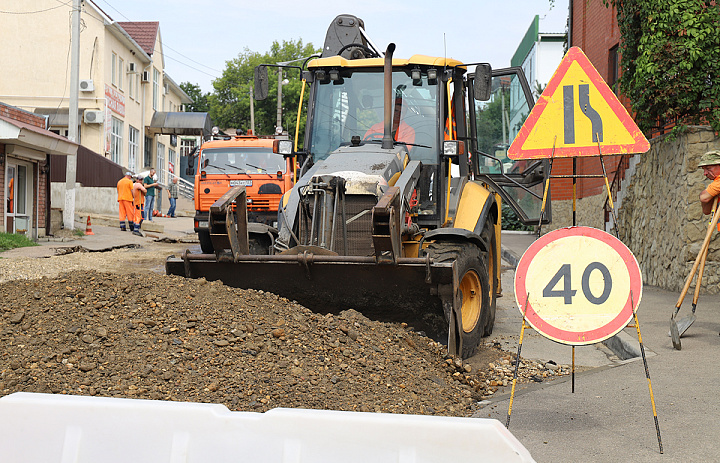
[
  {"x": 147, "y": 155},
  {"x": 121, "y": 70},
  {"x": 187, "y": 145},
  {"x": 161, "y": 162},
  {"x": 156, "y": 88},
  {"x": 116, "y": 140},
  {"x": 131, "y": 86},
  {"x": 172, "y": 162},
  {"x": 613, "y": 69},
  {"x": 133, "y": 147},
  {"x": 113, "y": 68}
]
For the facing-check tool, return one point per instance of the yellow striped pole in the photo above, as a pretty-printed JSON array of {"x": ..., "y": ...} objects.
[
  {"x": 517, "y": 362},
  {"x": 647, "y": 373}
]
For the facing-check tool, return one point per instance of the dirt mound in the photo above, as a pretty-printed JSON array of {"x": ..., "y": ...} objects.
[{"x": 153, "y": 336}]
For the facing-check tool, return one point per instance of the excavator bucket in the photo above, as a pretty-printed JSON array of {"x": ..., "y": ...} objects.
[{"x": 412, "y": 290}]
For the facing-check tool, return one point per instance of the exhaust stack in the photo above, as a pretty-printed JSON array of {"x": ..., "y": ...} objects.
[{"x": 387, "y": 140}]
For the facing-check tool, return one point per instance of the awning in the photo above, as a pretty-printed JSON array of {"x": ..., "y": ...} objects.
[
  {"x": 178, "y": 123},
  {"x": 32, "y": 141},
  {"x": 57, "y": 117}
]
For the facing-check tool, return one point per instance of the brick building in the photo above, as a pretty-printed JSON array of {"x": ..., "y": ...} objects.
[
  {"x": 25, "y": 149},
  {"x": 593, "y": 27}
]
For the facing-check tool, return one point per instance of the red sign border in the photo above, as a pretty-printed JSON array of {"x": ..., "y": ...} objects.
[
  {"x": 575, "y": 54},
  {"x": 578, "y": 337}
]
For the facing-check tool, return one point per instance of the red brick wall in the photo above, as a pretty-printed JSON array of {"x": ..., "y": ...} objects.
[
  {"x": 18, "y": 114},
  {"x": 2, "y": 189}
]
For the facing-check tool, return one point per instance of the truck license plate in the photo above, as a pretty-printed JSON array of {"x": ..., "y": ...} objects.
[{"x": 240, "y": 182}]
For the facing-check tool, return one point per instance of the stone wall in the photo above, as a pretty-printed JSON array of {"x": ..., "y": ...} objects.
[
  {"x": 588, "y": 213},
  {"x": 660, "y": 218}
]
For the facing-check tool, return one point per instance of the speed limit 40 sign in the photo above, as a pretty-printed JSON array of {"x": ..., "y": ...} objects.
[{"x": 580, "y": 284}]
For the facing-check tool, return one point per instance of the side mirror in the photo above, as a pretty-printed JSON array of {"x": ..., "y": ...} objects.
[
  {"x": 261, "y": 83},
  {"x": 205, "y": 163},
  {"x": 482, "y": 82}
]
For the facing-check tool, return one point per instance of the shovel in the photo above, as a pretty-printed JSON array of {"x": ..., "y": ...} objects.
[
  {"x": 684, "y": 323},
  {"x": 675, "y": 331}
]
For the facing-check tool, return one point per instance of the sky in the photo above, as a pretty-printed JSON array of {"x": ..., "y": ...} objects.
[{"x": 200, "y": 37}]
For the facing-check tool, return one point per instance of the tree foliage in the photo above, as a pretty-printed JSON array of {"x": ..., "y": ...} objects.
[
  {"x": 671, "y": 60},
  {"x": 200, "y": 99},
  {"x": 230, "y": 102}
]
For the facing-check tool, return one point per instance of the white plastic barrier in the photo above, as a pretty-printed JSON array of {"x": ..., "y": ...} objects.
[{"x": 62, "y": 428}]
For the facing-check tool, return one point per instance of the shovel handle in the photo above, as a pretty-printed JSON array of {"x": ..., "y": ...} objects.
[
  {"x": 696, "y": 296},
  {"x": 704, "y": 247}
]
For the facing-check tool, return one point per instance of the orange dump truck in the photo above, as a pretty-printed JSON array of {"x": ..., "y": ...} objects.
[{"x": 245, "y": 160}]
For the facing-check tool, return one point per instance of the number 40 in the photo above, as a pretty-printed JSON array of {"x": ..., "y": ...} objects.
[{"x": 568, "y": 293}]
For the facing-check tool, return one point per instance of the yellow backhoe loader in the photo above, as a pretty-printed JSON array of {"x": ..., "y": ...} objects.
[{"x": 396, "y": 211}]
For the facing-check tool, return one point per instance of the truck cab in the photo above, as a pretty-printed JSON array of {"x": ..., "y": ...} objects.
[{"x": 245, "y": 160}]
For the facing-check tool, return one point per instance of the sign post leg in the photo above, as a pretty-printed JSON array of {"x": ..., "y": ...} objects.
[
  {"x": 547, "y": 188},
  {"x": 647, "y": 373},
  {"x": 573, "y": 370},
  {"x": 517, "y": 362},
  {"x": 610, "y": 200}
]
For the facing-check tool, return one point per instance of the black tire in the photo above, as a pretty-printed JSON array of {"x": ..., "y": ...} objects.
[
  {"x": 205, "y": 243},
  {"x": 473, "y": 281},
  {"x": 490, "y": 258}
]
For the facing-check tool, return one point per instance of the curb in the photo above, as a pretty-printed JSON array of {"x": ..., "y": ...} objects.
[{"x": 509, "y": 256}]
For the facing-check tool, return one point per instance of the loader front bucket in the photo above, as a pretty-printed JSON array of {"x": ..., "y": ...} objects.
[{"x": 411, "y": 291}]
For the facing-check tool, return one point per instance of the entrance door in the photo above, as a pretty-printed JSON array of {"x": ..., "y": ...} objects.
[{"x": 18, "y": 207}]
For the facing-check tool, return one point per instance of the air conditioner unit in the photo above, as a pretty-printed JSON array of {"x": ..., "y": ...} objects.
[
  {"x": 146, "y": 76},
  {"x": 132, "y": 67},
  {"x": 87, "y": 86},
  {"x": 94, "y": 116}
]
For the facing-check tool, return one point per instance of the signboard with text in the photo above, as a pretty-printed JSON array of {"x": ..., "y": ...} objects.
[{"x": 578, "y": 285}]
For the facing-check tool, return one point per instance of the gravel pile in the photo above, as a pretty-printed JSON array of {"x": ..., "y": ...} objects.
[{"x": 152, "y": 336}]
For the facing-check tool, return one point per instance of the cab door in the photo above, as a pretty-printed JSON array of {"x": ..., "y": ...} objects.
[{"x": 493, "y": 126}]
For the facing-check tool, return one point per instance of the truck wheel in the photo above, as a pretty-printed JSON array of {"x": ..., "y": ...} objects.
[
  {"x": 474, "y": 287},
  {"x": 205, "y": 243},
  {"x": 490, "y": 259}
]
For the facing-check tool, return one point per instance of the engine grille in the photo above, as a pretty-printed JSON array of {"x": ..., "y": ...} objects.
[{"x": 359, "y": 230}]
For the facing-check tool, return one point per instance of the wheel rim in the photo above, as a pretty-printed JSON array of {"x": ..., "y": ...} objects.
[{"x": 471, "y": 300}]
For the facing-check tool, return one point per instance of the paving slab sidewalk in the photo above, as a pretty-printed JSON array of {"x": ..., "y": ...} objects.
[{"x": 609, "y": 417}]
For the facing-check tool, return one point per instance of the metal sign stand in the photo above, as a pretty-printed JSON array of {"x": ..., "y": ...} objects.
[{"x": 636, "y": 325}]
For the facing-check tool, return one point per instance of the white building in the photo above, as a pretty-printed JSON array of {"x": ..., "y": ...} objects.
[
  {"x": 538, "y": 54},
  {"x": 122, "y": 79}
]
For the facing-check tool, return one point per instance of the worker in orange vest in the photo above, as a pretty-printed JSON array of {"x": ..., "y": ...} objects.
[
  {"x": 125, "y": 200},
  {"x": 138, "y": 192}
]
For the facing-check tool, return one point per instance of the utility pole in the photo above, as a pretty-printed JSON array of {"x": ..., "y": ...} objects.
[
  {"x": 281, "y": 82},
  {"x": 71, "y": 169},
  {"x": 252, "y": 110}
]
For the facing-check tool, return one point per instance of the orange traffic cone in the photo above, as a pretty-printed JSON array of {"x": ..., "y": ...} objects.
[{"x": 88, "y": 228}]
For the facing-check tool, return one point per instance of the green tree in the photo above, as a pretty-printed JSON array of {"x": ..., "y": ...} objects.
[
  {"x": 489, "y": 123},
  {"x": 670, "y": 60},
  {"x": 230, "y": 103},
  {"x": 200, "y": 99}
]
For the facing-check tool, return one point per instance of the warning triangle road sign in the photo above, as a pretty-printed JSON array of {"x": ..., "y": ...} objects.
[{"x": 576, "y": 112}]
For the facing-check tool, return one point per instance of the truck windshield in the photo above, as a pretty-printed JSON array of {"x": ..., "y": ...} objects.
[
  {"x": 230, "y": 161},
  {"x": 353, "y": 106}
]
